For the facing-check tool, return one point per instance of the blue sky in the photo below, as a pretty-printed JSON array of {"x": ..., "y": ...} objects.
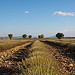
[{"x": 36, "y": 17}]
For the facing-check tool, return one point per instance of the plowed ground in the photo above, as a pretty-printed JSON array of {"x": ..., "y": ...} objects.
[
  {"x": 64, "y": 57},
  {"x": 10, "y": 59}
]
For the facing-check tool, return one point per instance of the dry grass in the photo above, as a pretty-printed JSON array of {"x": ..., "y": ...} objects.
[
  {"x": 64, "y": 40},
  {"x": 40, "y": 62},
  {"x": 65, "y": 43},
  {"x": 7, "y": 43}
]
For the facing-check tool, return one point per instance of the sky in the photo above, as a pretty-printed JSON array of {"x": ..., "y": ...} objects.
[{"x": 35, "y": 17}]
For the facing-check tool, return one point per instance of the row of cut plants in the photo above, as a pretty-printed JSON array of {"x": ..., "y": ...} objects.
[
  {"x": 6, "y": 44},
  {"x": 39, "y": 62},
  {"x": 60, "y": 43}
]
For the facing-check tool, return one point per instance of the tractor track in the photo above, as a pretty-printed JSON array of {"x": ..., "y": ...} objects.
[
  {"x": 9, "y": 60},
  {"x": 67, "y": 62}
]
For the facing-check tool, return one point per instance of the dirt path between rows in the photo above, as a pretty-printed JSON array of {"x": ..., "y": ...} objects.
[
  {"x": 67, "y": 63},
  {"x": 10, "y": 59}
]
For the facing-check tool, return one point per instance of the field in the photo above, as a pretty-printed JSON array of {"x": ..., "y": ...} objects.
[
  {"x": 40, "y": 61},
  {"x": 6, "y": 44},
  {"x": 37, "y": 56},
  {"x": 65, "y": 40},
  {"x": 64, "y": 43}
]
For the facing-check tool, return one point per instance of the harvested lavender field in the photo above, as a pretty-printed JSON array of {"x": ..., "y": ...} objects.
[
  {"x": 6, "y": 44},
  {"x": 37, "y": 57},
  {"x": 64, "y": 52}
]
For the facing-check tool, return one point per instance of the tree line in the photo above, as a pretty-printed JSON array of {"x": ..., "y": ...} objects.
[{"x": 58, "y": 35}]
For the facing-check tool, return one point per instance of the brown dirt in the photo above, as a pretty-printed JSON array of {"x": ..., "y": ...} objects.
[
  {"x": 10, "y": 59},
  {"x": 63, "y": 57}
]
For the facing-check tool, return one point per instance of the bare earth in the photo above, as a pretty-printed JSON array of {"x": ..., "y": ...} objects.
[
  {"x": 64, "y": 58},
  {"x": 10, "y": 58}
]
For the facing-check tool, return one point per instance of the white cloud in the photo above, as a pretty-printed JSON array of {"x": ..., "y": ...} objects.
[
  {"x": 26, "y": 12},
  {"x": 64, "y": 13},
  {"x": 70, "y": 33}
]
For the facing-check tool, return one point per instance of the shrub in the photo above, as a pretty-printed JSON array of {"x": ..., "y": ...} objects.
[
  {"x": 30, "y": 36},
  {"x": 59, "y": 35},
  {"x": 41, "y": 36},
  {"x": 24, "y": 35},
  {"x": 10, "y": 36}
]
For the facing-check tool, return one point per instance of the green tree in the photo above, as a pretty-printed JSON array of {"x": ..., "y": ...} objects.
[
  {"x": 30, "y": 36},
  {"x": 10, "y": 36},
  {"x": 42, "y": 36},
  {"x": 39, "y": 36},
  {"x": 24, "y": 35},
  {"x": 59, "y": 35}
]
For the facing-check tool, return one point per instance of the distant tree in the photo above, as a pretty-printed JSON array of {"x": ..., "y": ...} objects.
[
  {"x": 30, "y": 36},
  {"x": 10, "y": 36},
  {"x": 42, "y": 36},
  {"x": 24, "y": 35},
  {"x": 59, "y": 35},
  {"x": 39, "y": 36}
]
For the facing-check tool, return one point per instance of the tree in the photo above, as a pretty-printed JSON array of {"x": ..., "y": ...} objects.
[
  {"x": 39, "y": 36},
  {"x": 30, "y": 36},
  {"x": 10, "y": 36},
  {"x": 59, "y": 35},
  {"x": 42, "y": 36},
  {"x": 24, "y": 35}
]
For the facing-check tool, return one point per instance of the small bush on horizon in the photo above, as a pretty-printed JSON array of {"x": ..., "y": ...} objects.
[
  {"x": 10, "y": 36},
  {"x": 59, "y": 35},
  {"x": 30, "y": 36},
  {"x": 41, "y": 36},
  {"x": 24, "y": 35}
]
